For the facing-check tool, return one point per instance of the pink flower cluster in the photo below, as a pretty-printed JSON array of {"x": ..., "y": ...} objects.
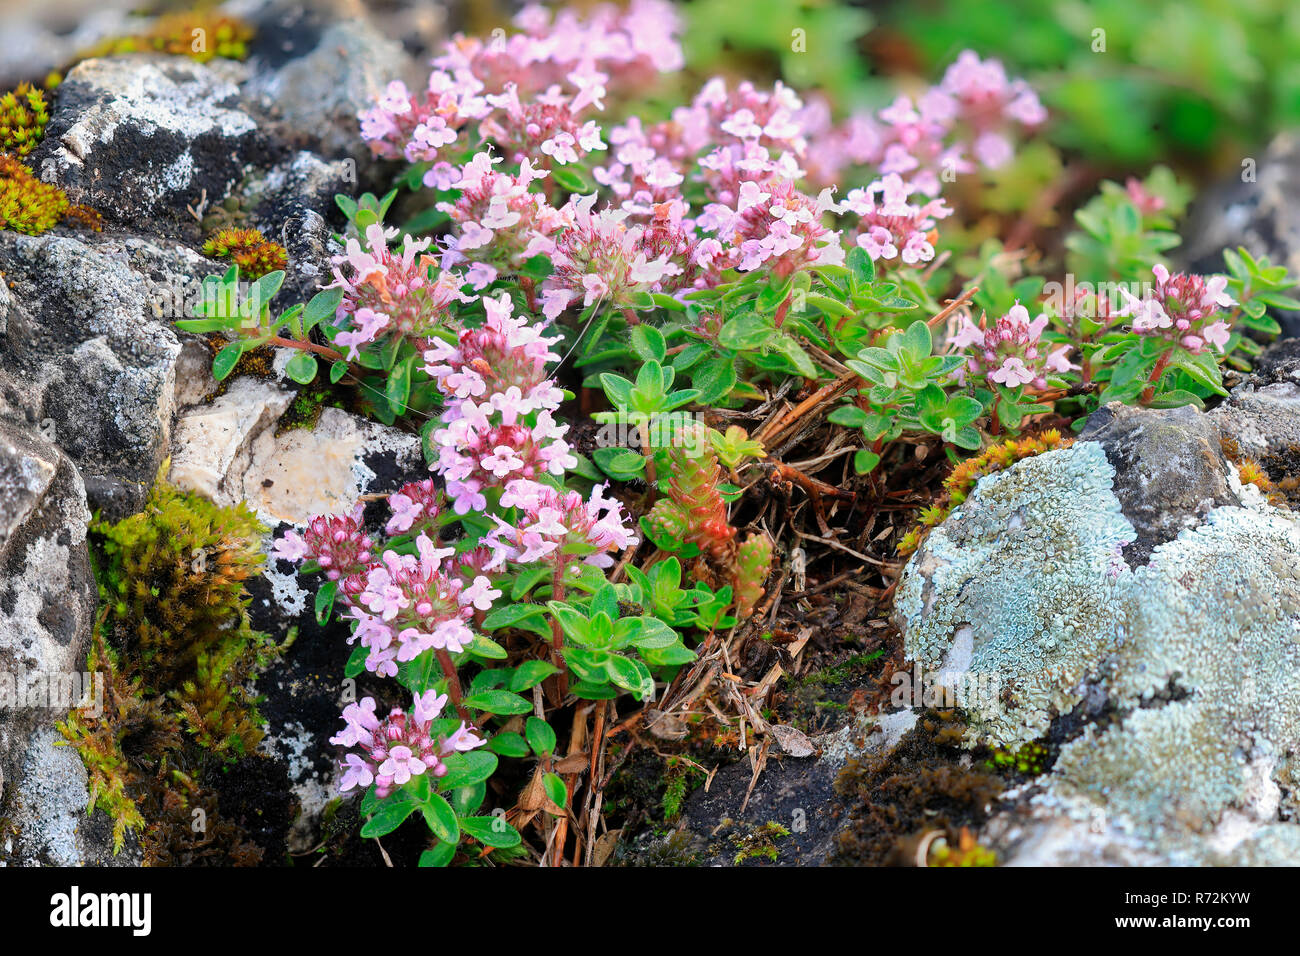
[
  {"x": 557, "y": 526},
  {"x": 389, "y": 752},
  {"x": 969, "y": 117},
  {"x": 338, "y": 543},
  {"x": 498, "y": 423},
  {"x": 528, "y": 92},
  {"x": 500, "y": 224},
  {"x": 601, "y": 258},
  {"x": 385, "y": 293},
  {"x": 1009, "y": 352},
  {"x": 1185, "y": 309},
  {"x": 891, "y": 226},
  {"x": 404, "y": 604}
]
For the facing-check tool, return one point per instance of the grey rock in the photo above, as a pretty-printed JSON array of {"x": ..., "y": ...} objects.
[
  {"x": 1261, "y": 419},
  {"x": 89, "y": 352},
  {"x": 319, "y": 95},
  {"x": 1263, "y": 216},
  {"x": 290, "y": 203},
  {"x": 47, "y": 609},
  {"x": 1280, "y": 362},
  {"x": 1169, "y": 470},
  {"x": 141, "y": 137}
]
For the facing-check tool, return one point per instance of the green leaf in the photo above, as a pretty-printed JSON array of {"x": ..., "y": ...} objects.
[
  {"x": 398, "y": 389},
  {"x": 325, "y": 601},
  {"x": 555, "y": 790},
  {"x": 526, "y": 617},
  {"x": 861, "y": 265},
  {"x": 865, "y": 460},
  {"x": 465, "y": 770},
  {"x": 487, "y": 649},
  {"x": 540, "y": 736},
  {"x": 323, "y": 305},
  {"x": 441, "y": 818},
  {"x": 491, "y": 831},
  {"x": 570, "y": 180},
  {"x": 498, "y": 702},
  {"x": 792, "y": 350},
  {"x": 337, "y": 371},
  {"x": 715, "y": 380},
  {"x": 356, "y": 661},
  {"x": 301, "y": 368},
  {"x": 746, "y": 331},
  {"x": 440, "y": 855},
  {"x": 648, "y": 342},
  {"x": 531, "y": 673},
  {"x": 508, "y": 744},
  {"x": 390, "y": 815},
  {"x": 226, "y": 359}
]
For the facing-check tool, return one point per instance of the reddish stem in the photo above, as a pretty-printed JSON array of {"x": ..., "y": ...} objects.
[
  {"x": 1153, "y": 379},
  {"x": 322, "y": 350},
  {"x": 453, "y": 683}
]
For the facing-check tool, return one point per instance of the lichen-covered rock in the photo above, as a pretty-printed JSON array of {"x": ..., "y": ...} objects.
[
  {"x": 47, "y": 608},
  {"x": 89, "y": 354},
  {"x": 139, "y": 138},
  {"x": 1176, "y": 684},
  {"x": 231, "y": 450},
  {"x": 1261, "y": 418},
  {"x": 289, "y": 204},
  {"x": 1013, "y": 586}
]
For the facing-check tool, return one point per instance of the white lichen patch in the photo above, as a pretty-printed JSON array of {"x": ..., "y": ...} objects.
[
  {"x": 1027, "y": 567},
  {"x": 1209, "y": 677},
  {"x": 1196, "y": 655}
]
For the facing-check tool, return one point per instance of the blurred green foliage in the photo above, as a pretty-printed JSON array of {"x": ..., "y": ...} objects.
[
  {"x": 1166, "y": 77},
  {"x": 823, "y": 57}
]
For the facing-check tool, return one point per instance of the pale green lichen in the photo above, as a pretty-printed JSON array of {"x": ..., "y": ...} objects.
[
  {"x": 1013, "y": 586},
  {"x": 1196, "y": 654}
]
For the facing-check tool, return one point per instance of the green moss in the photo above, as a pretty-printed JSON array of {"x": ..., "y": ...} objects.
[
  {"x": 1030, "y": 759},
  {"x": 175, "y": 644},
  {"x": 759, "y": 843},
  {"x": 23, "y": 115},
  {"x": 839, "y": 673},
  {"x": 31, "y": 206}
]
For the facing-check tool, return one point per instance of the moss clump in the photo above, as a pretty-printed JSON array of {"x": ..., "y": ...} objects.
[
  {"x": 248, "y": 249},
  {"x": 303, "y": 412},
  {"x": 23, "y": 115},
  {"x": 30, "y": 206},
  {"x": 1031, "y": 759},
  {"x": 967, "y": 852},
  {"x": 896, "y": 798},
  {"x": 759, "y": 843},
  {"x": 201, "y": 35},
  {"x": 174, "y": 642},
  {"x": 678, "y": 785}
]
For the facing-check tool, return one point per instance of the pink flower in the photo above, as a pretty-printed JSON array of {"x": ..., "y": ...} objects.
[
  {"x": 556, "y": 526},
  {"x": 1182, "y": 308},
  {"x": 402, "y": 746},
  {"x": 1012, "y": 373},
  {"x": 1009, "y": 352}
]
